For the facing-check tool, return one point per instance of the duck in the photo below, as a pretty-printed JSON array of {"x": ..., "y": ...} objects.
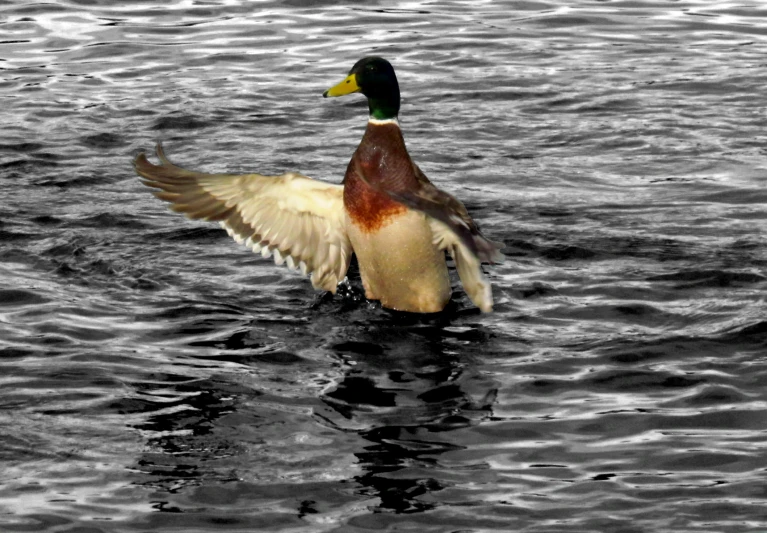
[{"x": 386, "y": 212}]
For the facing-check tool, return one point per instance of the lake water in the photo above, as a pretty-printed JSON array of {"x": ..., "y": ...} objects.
[{"x": 155, "y": 376}]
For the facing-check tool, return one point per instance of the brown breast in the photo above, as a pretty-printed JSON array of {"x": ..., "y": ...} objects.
[
  {"x": 380, "y": 163},
  {"x": 368, "y": 209}
]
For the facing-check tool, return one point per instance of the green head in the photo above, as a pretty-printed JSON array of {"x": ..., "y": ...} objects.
[{"x": 374, "y": 77}]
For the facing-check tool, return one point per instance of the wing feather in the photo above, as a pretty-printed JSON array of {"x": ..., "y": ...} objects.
[
  {"x": 452, "y": 213},
  {"x": 454, "y": 230},
  {"x": 295, "y": 218},
  {"x": 467, "y": 263}
]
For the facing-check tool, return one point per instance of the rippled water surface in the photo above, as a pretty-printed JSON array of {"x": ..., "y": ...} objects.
[{"x": 154, "y": 376}]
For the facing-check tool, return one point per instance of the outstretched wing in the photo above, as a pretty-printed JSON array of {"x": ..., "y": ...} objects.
[{"x": 295, "y": 218}]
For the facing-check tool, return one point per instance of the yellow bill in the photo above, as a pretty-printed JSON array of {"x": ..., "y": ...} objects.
[{"x": 348, "y": 86}]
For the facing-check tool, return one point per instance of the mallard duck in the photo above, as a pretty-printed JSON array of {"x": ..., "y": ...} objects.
[{"x": 386, "y": 212}]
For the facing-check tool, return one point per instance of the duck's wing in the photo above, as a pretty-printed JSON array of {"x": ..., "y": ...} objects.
[
  {"x": 468, "y": 265},
  {"x": 449, "y": 210},
  {"x": 455, "y": 232},
  {"x": 295, "y": 218}
]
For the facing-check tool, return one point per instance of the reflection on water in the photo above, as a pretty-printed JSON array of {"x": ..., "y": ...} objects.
[{"x": 155, "y": 376}]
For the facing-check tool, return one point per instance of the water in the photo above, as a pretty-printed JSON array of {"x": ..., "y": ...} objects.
[{"x": 157, "y": 377}]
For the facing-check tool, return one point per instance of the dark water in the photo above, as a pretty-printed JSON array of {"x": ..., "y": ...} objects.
[{"x": 154, "y": 376}]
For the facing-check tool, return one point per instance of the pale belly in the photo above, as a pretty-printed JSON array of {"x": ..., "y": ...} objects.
[{"x": 400, "y": 266}]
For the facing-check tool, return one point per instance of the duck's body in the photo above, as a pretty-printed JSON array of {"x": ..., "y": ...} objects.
[
  {"x": 399, "y": 264},
  {"x": 386, "y": 212}
]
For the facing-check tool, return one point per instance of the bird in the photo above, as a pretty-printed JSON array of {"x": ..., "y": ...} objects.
[{"x": 385, "y": 211}]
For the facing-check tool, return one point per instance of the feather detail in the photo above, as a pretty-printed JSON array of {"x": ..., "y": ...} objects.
[
  {"x": 467, "y": 263},
  {"x": 298, "y": 220}
]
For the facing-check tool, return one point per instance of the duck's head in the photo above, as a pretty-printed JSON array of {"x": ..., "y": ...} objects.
[{"x": 374, "y": 77}]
